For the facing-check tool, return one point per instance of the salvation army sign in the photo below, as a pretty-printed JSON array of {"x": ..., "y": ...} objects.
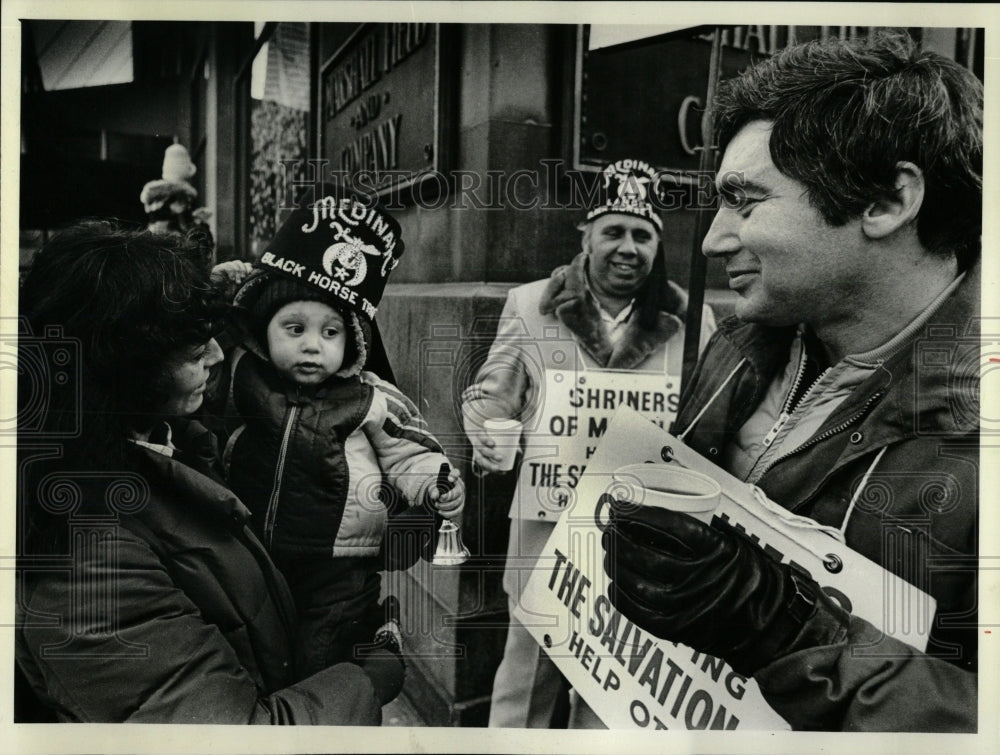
[{"x": 630, "y": 678}]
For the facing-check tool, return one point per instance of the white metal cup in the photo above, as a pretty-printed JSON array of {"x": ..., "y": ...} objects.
[
  {"x": 668, "y": 486},
  {"x": 506, "y": 433}
]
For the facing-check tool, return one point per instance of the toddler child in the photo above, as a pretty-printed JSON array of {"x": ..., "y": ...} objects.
[{"x": 320, "y": 435}]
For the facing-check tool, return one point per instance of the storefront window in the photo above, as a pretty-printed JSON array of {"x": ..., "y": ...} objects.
[
  {"x": 618, "y": 112},
  {"x": 279, "y": 125}
]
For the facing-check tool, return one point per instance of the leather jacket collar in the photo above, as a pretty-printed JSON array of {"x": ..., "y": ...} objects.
[{"x": 930, "y": 386}]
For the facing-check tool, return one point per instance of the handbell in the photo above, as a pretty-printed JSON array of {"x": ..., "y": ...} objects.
[{"x": 450, "y": 550}]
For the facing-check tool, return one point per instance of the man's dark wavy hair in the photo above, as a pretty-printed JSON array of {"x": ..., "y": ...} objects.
[
  {"x": 845, "y": 113},
  {"x": 132, "y": 301}
]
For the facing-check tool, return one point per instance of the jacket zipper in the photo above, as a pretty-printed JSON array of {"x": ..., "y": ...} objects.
[
  {"x": 279, "y": 470},
  {"x": 786, "y": 413},
  {"x": 829, "y": 433},
  {"x": 786, "y": 410}
]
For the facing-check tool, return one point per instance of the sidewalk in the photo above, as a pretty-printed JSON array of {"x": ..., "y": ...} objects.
[{"x": 400, "y": 713}]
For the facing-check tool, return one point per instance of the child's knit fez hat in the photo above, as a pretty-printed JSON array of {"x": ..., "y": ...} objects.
[
  {"x": 338, "y": 248},
  {"x": 340, "y": 244}
]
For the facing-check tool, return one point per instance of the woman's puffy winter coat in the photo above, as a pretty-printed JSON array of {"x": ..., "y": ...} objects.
[{"x": 172, "y": 612}]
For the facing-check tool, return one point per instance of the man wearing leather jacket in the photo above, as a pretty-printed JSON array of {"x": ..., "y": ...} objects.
[{"x": 846, "y": 386}]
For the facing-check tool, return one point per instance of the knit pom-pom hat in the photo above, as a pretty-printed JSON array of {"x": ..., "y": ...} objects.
[{"x": 173, "y": 187}]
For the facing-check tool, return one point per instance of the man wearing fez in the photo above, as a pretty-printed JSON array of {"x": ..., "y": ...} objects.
[
  {"x": 613, "y": 300},
  {"x": 846, "y": 386}
]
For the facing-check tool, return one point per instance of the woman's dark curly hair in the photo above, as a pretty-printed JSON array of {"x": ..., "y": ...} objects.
[{"x": 127, "y": 303}]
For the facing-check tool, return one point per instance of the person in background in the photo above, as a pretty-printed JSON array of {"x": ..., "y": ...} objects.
[
  {"x": 163, "y": 606},
  {"x": 614, "y": 302},
  {"x": 846, "y": 386},
  {"x": 169, "y": 203}
]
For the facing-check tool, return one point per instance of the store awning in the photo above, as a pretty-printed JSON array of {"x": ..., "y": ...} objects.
[
  {"x": 602, "y": 35},
  {"x": 75, "y": 54}
]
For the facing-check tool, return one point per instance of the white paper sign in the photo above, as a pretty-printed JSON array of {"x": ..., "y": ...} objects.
[
  {"x": 633, "y": 680},
  {"x": 574, "y": 416}
]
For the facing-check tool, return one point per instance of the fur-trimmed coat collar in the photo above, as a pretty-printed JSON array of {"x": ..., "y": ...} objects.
[{"x": 569, "y": 297}]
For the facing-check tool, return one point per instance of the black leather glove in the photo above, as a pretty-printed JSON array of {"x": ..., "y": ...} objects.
[{"x": 712, "y": 589}]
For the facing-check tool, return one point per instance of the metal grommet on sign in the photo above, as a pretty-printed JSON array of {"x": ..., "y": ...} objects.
[
  {"x": 713, "y": 451},
  {"x": 856, "y": 437},
  {"x": 833, "y": 563},
  {"x": 667, "y": 453},
  {"x": 541, "y": 514},
  {"x": 547, "y": 640}
]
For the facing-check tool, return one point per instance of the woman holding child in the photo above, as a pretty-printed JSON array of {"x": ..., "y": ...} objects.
[{"x": 143, "y": 594}]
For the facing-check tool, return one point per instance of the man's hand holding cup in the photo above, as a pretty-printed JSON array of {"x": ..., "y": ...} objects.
[{"x": 495, "y": 444}]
